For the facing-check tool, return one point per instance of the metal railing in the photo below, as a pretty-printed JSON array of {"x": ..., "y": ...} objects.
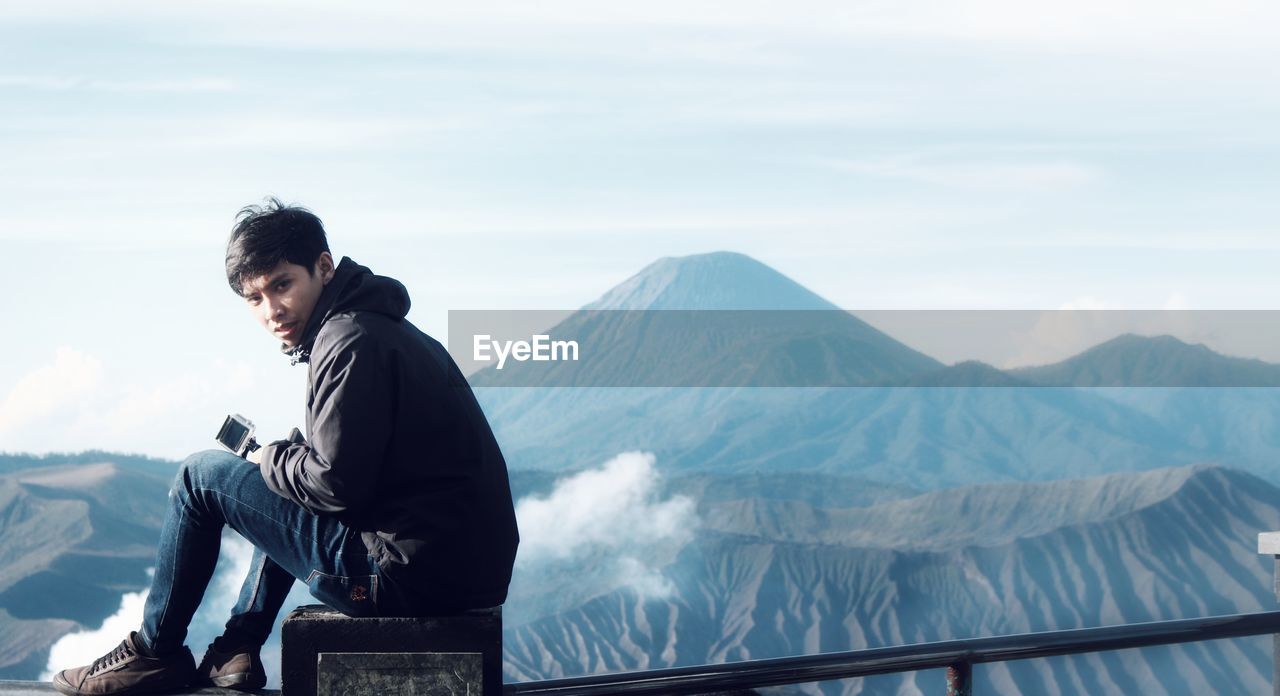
[{"x": 957, "y": 656}]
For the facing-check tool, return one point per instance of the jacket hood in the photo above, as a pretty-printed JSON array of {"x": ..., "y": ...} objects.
[{"x": 353, "y": 288}]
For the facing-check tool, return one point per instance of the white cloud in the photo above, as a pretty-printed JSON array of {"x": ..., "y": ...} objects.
[
  {"x": 1087, "y": 302},
  {"x": 1136, "y": 26},
  {"x": 72, "y": 376},
  {"x": 613, "y": 513},
  {"x": 1212, "y": 238},
  {"x": 83, "y": 647},
  {"x": 649, "y": 582},
  {"x": 975, "y": 174},
  {"x": 180, "y": 86},
  {"x": 610, "y": 507},
  {"x": 76, "y": 649},
  {"x": 140, "y": 406},
  {"x": 75, "y": 403},
  {"x": 1176, "y": 301}
]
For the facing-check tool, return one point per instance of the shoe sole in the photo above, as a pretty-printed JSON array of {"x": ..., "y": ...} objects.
[
  {"x": 240, "y": 682},
  {"x": 65, "y": 687}
]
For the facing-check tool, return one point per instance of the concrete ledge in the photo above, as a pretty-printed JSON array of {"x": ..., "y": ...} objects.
[
  {"x": 326, "y": 652},
  {"x": 31, "y": 688},
  {"x": 1269, "y": 543}
]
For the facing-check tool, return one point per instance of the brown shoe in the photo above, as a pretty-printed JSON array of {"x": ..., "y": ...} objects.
[
  {"x": 126, "y": 670},
  {"x": 237, "y": 668}
]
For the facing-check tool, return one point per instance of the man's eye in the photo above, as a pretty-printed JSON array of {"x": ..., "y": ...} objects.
[{"x": 282, "y": 285}]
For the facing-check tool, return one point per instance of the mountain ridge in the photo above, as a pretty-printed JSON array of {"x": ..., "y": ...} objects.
[
  {"x": 942, "y": 520},
  {"x": 1152, "y": 361},
  {"x": 1187, "y": 553}
]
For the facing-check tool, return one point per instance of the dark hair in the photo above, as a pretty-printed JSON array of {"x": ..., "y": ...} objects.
[{"x": 265, "y": 235}]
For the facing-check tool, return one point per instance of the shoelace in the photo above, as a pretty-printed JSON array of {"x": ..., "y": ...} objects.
[{"x": 122, "y": 651}]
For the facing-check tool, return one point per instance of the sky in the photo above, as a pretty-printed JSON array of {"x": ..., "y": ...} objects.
[{"x": 887, "y": 155}]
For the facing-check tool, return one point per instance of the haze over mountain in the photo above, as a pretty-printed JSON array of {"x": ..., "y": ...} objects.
[
  {"x": 924, "y": 425},
  {"x": 765, "y": 579}
]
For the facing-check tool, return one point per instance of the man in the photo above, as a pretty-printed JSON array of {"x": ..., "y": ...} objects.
[{"x": 398, "y": 503}]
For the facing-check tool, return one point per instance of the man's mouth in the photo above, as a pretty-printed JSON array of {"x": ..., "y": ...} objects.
[{"x": 286, "y": 329}]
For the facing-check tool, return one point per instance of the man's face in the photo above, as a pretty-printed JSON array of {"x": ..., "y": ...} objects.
[{"x": 283, "y": 298}]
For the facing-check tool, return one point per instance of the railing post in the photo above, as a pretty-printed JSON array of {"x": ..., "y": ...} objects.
[
  {"x": 960, "y": 679},
  {"x": 1269, "y": 545}
]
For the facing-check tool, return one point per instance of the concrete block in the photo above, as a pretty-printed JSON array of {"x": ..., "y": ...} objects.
[{"x": 325, "y": 653}]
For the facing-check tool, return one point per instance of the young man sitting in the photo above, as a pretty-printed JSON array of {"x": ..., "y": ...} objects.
[{"x": 397, "y": 504}]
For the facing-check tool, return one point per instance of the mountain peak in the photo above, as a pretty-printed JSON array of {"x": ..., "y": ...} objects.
[{"x": 717, "y": 280}]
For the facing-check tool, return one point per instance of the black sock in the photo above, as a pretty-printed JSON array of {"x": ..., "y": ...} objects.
[{"x": 228, "y": 645}]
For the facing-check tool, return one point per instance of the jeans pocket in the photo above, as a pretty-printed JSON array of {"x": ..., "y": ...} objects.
[{"x": 353, "y": 595}]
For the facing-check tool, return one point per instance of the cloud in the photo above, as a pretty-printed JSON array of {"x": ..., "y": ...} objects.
[
  {"x": 73, "y": 376},
  {"x": 180, "y": 86},
  {"x": 1139, "y": 24},
  {"x": 76, "y": 403},
  {"x": 76, "y": 649},
  {"x": 83, "y": 647},
  {"x": 610, "y": 507},
  {"x": 611, "y": 513},
  {"x": 139, "y": 407},
  {"x": 975, "y": 174},
  {"x": 649, "y": 582}
]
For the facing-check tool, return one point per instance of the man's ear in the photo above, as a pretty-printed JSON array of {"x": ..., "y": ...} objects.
[{"x": 325, "y": 266}]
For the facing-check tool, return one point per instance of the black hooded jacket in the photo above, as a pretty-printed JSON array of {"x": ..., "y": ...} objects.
[{"x": 398, "y": 448}]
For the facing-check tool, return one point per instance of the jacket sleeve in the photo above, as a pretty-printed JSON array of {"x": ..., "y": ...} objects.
[{"x": 337, "y": 470}]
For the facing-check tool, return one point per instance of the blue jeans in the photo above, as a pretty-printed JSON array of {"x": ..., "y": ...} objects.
[{"x": 216, "y": 488}]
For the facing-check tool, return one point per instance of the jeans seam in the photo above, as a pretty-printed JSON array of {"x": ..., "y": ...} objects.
[
  {"x": 257, "y": 585},
  {"x": 168, "y": 598},
  {"x": 247, "y": 506}
]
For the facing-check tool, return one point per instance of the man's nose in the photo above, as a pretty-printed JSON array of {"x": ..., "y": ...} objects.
[{"x": 273, "y": 308}]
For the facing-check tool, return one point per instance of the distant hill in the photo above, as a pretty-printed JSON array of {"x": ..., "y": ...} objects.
[
  {"x": 1152, "y": 361},
  {"x": 771, "y": 579},
  {"x": 76, "y": 532},
  {"x": 24, "y": 644},
  {"x": 17, "y": 461}
]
